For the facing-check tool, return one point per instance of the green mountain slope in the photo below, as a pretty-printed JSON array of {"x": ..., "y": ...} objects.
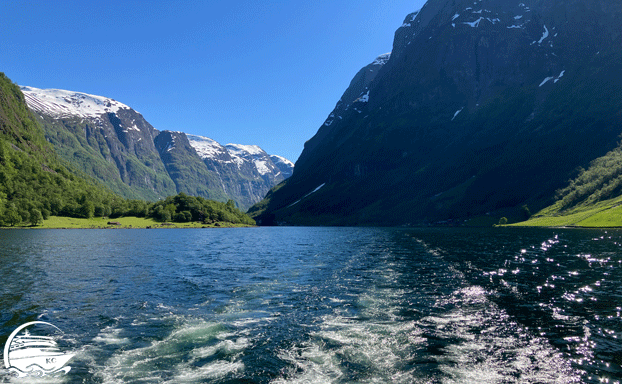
[
  {"x": 186, "y": 169},
  {"x": 90, "y": 154},
  {"x": 33, "y": 181},
  {"x": 592, "y": 199}
]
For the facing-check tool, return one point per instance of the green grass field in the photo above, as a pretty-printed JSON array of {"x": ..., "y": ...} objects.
[
  {"x": 605, "y": 214},
  {"x": 126, "y": 222}
]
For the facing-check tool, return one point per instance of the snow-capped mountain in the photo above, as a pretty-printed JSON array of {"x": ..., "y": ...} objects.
[
  {"x": 252, "y": 154},
  {"x": 242, "y": 170},
  {"x": 115, "y": 144},
  {"x": 285, "y": 166},
  {"x": 482, "y": 107},
  {"x": 61, "y": 103}
]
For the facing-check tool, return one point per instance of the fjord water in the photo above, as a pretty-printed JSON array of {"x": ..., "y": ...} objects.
[{"x": 322, "y": 305}]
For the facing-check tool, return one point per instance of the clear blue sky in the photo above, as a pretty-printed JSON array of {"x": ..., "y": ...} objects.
[{"x": 237, "y": 71}]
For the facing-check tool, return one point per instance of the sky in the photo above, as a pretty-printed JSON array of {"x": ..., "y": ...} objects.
[{"x": 257, "y": 72}]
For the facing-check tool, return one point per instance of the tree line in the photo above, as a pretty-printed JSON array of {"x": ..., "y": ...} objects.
[{"x": 31, "y": 192}]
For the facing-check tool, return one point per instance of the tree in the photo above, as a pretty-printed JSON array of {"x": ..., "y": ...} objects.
[
  {"x": 503, "y": 221},
  {"x": 526, "y": 212},
  {"x": 99, "y": 211},
  {"x": 12, "y": 217},
  {"x": 36, "y": 217},
  {"x": 87, "y": 209}
]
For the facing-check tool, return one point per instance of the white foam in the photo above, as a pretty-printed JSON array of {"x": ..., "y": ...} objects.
[
  {"x": 110, "y": 336},
  {"x": 152, "y": 363},
  {"x": 489, "y": 347},
  {"x": 373, "y": 340}
]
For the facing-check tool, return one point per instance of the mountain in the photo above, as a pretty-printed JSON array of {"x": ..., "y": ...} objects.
[
  {"x": 116, "y": 145},
  {"x": 103, "y": 138},
  {"x": 34, "y": 182},
  {"x": 483, "y": 108},
  {"x": 244, "y": 171}
]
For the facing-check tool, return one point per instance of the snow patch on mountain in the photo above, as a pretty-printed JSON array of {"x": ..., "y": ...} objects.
[
  {"x": 310, "y": 193},
  {"x": 262, "y": 167},
  {"x": 253, "y": 154},
  {"x": 545, "y": 34},
  {"x": 555, "y": 79},
  {"x": 382, "y": 59},
  {"x": 206, "y": 147},
  {"x": 241, "y": 150},
  {"x": 474, "y": 24},
  {"x": 457, "y": 113},
  {"x": 238, "y": 154},
  {"x": 276, "y": 159},
  {"x": 62, "y": 103},
  {"x": 364, "y": 98}
]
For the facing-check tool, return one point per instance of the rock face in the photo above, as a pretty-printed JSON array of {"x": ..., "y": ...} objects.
[
  {"x": 245, "y": 171},
  {"x": 352, "y": 101},
  {"x": 483, "y": 106},
  {"x": 115, "y": 144}
]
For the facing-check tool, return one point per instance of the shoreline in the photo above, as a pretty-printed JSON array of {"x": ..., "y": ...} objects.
[{"x": 128, "y": 222}]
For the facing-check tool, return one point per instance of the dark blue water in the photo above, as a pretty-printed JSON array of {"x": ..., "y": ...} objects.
[{"x": 321, "y": 305}]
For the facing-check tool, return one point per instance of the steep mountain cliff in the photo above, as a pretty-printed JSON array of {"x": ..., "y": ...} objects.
[
  {"x": 116, "y": 145},
  {"x": 103, "y": 138},
  {"x": 482, "y": 108}
]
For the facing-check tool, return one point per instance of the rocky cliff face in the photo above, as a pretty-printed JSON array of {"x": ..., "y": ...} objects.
[
  {"x": 245, "y": 171},
  {"x": 352, "y": 102},
  {"x": 103, "y": 138},
  {"x": 482, "y": 107},
  {"x": 115, "y": 144}
]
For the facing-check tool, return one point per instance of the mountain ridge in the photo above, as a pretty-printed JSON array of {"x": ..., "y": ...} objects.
[
  {"x": 482, "y": 108},
  {"x": 115, "y": 144}
]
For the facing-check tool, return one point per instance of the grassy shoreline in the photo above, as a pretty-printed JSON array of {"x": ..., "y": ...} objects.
[
  {"x": 604, "y": 214},
  {"x": 58, "y": 222}
]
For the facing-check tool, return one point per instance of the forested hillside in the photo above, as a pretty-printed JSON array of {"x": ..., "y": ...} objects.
[{"x": 35, "y": 183}]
